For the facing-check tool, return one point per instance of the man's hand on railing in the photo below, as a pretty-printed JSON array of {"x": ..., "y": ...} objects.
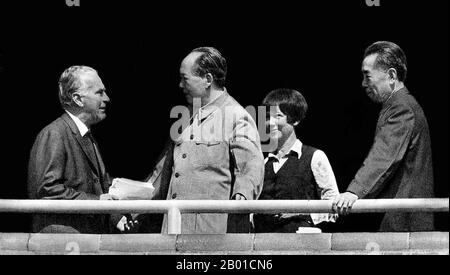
[
  {"x": 286, "y": 215},
  {"x": 127, "y": 224},
  {"x": 239, "y": 197},
  {"x": 108, "y": 197},
  {"x": 343, "y": 203}
]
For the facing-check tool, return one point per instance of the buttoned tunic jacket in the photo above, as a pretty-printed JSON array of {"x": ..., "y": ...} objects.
[{"x": 217, "y": 156}]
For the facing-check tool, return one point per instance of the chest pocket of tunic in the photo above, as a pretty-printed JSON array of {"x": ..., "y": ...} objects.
[{"x": 210, "y": 153}]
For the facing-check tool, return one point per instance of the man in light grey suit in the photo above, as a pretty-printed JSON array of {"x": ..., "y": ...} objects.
[{"x": 217, "y": 155}]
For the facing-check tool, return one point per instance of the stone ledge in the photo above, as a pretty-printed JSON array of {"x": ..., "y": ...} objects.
[
  {"x": 64, "y": 243},
  {"x": 14, "y": 241},
  {"x": 370, "y": 241},
  {"x": 429, "y": 240},
  {"x": 241, "y": 253},
  {"x": 292, "y": 242},
  {"x": 255, "y": 244},
  {"x": 16, "y": 252},
  {"x": 225, "y": 242},
  {"x": 138, "y": 243}
]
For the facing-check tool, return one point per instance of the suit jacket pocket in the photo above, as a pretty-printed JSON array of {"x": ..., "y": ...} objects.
[{"x": 210, "y": 153}]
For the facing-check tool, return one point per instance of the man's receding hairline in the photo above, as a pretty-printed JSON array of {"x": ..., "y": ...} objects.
[
  {"x": 189, "y": 58},
  {"x": 375, "y": 64},
  {"x": 91, "y": 78},
  {"x": 195, "y": 60}
]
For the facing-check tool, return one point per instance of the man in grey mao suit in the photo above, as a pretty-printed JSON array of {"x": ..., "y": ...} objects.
[
  {"x": 216, "y": 155},
  {"x": 399, "y": 164}
]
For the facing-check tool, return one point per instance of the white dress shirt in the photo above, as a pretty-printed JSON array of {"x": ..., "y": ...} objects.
[
  {"x": 83, "y": 130},
  {"x": 323, "y": 174},
  {"x": 80, "y": 125}
]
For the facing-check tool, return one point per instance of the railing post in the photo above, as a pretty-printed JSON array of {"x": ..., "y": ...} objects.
[{"x": 174, "y": 220}]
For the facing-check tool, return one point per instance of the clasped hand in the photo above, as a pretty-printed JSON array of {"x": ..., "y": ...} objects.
[{"x": 127, "y": 224}]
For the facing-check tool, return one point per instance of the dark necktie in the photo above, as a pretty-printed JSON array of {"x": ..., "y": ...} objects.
[
  {"x": 98, "y": 157},
  {"x": 269, "y": 164},
  {"x": 271, "y": 160}
]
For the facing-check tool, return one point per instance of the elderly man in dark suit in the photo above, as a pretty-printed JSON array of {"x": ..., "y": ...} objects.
[
  {"x": 65, "y": 161},
  {"x": 399, "y": 164}
]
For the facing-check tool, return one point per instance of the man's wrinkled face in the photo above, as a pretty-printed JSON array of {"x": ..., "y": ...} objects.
[
  {"x": 193, "y": 86},
  {"x": 93, "y": 96},
  {"x": 376, "y": 81}
]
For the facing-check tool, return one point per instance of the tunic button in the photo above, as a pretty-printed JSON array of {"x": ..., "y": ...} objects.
[
  {"x": 192, "y": 137},
  {"x": 184, "y": 156},
  {"x": 177, "y": 174},
  {"x": 174, "y": 195}
]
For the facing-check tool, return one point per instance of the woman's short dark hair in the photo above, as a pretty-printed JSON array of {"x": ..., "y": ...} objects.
[
  {"x": 291, "y": 103},
  {"x": 211, "y": 61},
  {"x": 390, "y": 55}
]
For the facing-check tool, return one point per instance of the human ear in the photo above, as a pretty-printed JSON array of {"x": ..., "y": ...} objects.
[
  {"x": 209, "y": 79},
  {"x": 392, "y": 73},
  {"x": 76, "y": 97}
]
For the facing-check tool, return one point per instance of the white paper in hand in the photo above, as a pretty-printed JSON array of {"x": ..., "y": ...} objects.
[{"x": 126, "y": 189}]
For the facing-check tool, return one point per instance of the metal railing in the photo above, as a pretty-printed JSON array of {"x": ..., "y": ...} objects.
[{"x": 174, "y": 208}]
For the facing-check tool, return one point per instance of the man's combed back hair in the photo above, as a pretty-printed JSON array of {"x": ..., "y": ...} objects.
[
  {"x": 291, "y": 103},
  {"x": 211, "y": 61},
  {"x": 390, "y": 55},
  {"x": 70, "y": 82}
]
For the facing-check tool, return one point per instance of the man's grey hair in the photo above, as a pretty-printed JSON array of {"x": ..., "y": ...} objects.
[{"x": 70, "y": 82}]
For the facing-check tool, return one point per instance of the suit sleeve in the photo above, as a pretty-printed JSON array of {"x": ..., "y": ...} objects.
[
  {"x": 247, "y": 158},
  {"x": 46, "y": 170},
  {"x": 160, "y": 176},
  {"x": 392, "y": 139}
]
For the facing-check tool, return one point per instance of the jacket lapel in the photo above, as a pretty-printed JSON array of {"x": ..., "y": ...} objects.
[
  {"x": 102, "y": 169},
  {"x": 84, "y": 143},
  {"x": 99, "y": 156}
]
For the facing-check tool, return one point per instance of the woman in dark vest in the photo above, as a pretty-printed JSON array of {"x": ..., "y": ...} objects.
[{"x": 293, "y": 171}]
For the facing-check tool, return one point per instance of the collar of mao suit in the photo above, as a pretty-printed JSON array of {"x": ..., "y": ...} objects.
[{"x": 206, "y": 111}]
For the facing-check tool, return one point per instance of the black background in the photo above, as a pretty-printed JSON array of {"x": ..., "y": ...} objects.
[{"x": 315, "y": 47}]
